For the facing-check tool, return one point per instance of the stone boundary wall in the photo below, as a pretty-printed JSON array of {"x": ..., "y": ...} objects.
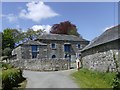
[
  {"x": 42, "y": 64},
  {"x": 101, "y": 58},
  {"x": 103, "y": 61}
]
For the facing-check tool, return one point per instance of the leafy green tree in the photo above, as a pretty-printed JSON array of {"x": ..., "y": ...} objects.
[
  {"x": 13, "y": 37},
  {"x": 17, "y": 35},
  {"x": 30, "y": 34},
  {"x": 8, "y": 40},
  {"x": 7, "y": 52}
]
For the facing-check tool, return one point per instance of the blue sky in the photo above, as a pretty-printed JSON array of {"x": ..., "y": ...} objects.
[{"x": 90, "y": 18}]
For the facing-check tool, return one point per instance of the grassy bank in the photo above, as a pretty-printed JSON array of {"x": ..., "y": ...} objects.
[{"x": 93, "y": 79}]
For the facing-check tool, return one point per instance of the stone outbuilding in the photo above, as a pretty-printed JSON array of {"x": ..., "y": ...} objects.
[{"x": 102, "y": 52}]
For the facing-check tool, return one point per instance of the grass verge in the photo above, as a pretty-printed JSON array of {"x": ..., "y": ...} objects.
[{"x": 93, "y": 79}]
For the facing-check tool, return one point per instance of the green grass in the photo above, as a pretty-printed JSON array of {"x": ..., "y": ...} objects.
[{"x": 93, "y": 79}]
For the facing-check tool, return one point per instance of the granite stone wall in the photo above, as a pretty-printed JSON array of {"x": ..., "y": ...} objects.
[
  {"x": 101, "y": 58},
  {"x": 44, "y": 61},
  {"x": 42, "y": 64},
  {"x": 59, "y": 50}
]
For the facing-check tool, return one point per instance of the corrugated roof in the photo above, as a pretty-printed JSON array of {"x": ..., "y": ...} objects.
[
  {"x": 108, "y": 36},
  {"x": 61, "y": 37}
]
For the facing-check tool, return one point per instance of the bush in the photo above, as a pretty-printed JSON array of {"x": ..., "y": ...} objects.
[
  {"x": 7, "y": 66},
  {"x": 116, "y": 81},
  {"x": 7, "y": 52},
  {"x": 11, "y": 78}
]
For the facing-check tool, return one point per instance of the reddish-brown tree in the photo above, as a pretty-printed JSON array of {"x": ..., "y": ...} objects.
[{"x": 65, "y": 27}]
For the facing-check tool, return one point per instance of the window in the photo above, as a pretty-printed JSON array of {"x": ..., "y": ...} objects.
[
  {"x": 78, "y": 45},
  {"x": 66, "y": 56},
  {"x": 34, "y": 54},
  {"x": 34, "y": 51},
  {"x": 53, "y": 56},
  {"x": 53, "y": 46},
  {"x": 78, "y": 55},
  {"x": 67, "y": 48}
]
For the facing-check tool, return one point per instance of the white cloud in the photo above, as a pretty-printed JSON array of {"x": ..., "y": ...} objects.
[
  {"x": 46, "y": 28},
  {"x": 10, "y": 17},
  {"x": 37, "y": 11},
  {"x": 107, "y": 28}
]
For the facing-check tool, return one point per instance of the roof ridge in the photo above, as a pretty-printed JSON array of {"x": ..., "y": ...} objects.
[{"x": 104, "y": 37}]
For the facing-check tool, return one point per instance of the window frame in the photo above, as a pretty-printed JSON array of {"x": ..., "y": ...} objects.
[
  {"x": 34, "y": 52},
  {"x": 54, "y": 45},
  {"x": 67, "y": 49}
]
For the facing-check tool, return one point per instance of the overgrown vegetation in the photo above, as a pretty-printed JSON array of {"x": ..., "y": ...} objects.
[
  {"x": 93, "y": 79},
  {"x": 116, "y": 80},
  {"x": 11, "y": 77}
]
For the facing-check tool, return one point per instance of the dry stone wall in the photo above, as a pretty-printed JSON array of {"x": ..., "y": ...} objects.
[
  {"x": 101, "y": 58},
  {"x": 103, "y": 61},
  {"x": 42, "y": 64}
]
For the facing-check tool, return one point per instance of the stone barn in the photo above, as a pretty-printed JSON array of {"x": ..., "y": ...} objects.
[
  {"x": 51, "y": 49},
  {"x": 103, "y": 51}
]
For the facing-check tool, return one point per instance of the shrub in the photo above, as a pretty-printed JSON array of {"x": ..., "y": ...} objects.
[
  {"x": 7, "y": 66},
  {"x": 116, "y": 81},
  {"x": 11, "y": 78},
  {"x": 7, "y": 51}
]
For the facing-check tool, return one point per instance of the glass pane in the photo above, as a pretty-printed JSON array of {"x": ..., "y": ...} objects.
[
  {"x": 34, "y": 48},
  {"x": 67, "y": 48},
  {"x": 78, "y": 45},
  {"x": 34, "y": 51},
  {"x": 53, "y": 45},
  {"x": 34, "y": 54}
]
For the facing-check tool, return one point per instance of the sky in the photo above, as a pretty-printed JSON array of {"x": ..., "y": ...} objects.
[{"x": 91, "y": 18}]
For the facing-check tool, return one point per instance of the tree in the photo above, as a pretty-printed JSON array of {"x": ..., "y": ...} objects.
[
  {"x": 17, "y": 35},
  {"x": 13, "y": 37},
  {"x": 7, "y": 39},
  {"x": 30, "y": 34},
  {"x": 65, "y": 27},
  {"x": 7, "y": 52}
]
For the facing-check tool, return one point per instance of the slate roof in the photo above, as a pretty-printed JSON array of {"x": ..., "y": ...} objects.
[
  {"x": 32, "y": 42},
  {"x": 109, "y": 35},
  {"x": 60, "y": 37}
]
